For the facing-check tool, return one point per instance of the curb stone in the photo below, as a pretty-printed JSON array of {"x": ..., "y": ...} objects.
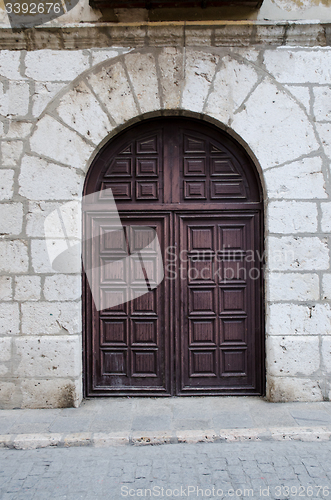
[{"x": 49, "y": 440}]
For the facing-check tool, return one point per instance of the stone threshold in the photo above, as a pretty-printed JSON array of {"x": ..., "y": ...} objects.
[
  {"x": 161, "y": 34},
  {"x": 63, "y": 440}
]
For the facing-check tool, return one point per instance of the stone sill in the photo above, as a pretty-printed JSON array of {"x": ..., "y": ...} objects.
[{"x": 161, "y": 34}]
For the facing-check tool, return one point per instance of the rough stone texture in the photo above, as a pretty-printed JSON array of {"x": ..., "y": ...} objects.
[
  {"x": 7, "y": 183},
  {"x": 42, "y": 180},
  {"x": 199, "y": 73},
  {"x": 51, "y": 356},
  {"x": 11, "y": 218},
  {"x": 298, "y": 180},
  {"x": 48, "y": 318},
  {"x": 9, "y": 315},
  {"x": 274, "y": 130},
  {"x": 62, "y": 287},
  {"x": 286, "y": 217},
  {"x": 91, "y": 121},
  {"x": 52, "y": 126},
  {"x": 5, "y": 355},
  {"x": 291, "y": 356},
  {"x": 293, "y": 389},
  {"x": 55, "y": 65},
  {"x": 11, "y": 152},
  {"x": 27, "y": 288},
  {"x": 112, "y": 88},
  {"x": 293, "y": 286},
  {"x": 13, "y": 257},
  {"x": 294, "y": 319},
  {"x": 326, "y": 353},
  {"x": 296, "y": 253},
  {"x": 55, "y": 141}
]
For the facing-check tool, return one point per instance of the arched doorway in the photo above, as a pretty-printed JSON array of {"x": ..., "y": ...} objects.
[{"x": 200, "y": 331}]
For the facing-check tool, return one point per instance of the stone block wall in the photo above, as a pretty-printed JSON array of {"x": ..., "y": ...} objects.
[{"x": 58, "y": 107}]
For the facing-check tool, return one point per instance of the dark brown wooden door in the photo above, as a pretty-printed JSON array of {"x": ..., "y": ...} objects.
[{"x": 200, "y": 330}]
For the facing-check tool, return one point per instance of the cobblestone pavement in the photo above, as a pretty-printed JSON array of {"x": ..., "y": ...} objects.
[{"x": 205, "y": 470}]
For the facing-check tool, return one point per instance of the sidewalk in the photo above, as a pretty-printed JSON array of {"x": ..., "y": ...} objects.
[{"x": 139, "y": 421}]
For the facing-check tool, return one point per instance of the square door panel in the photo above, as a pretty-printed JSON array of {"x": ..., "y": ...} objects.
[
  {"x": 227, "y": 189},
  {"x": 202, "y": 363},
  {"x": 113, "y": 331},
  {"x": 143, "y": 239},
  {"x": 233, "y": 271},
  {"x": 120, "y": 190},
  {"x": 232, "y": 238},
  {"x": 233, "y": 330},
  {"x": 194, "y": 166},
  {"x": 143, "y": 269},
  {"x": 145, "y": 303},
  {"x": 147, "y": 145},
  {"x": 113, "y": 272},
  {"x": 201, "y": 238},
  {"x": 114, "y": 300},
  {"x": 202, "y": 301},
  {"x": 114, "y": 362},
  {"x": 222, "y": 167},
  {"x": 144, "y": 331},
  {"x": 194, "y": 190},
  {"x": 201, "y": 271},
  {"x": 120, "y": 167},
  {"x": 112, "y": 241},
  {"x": 147, "y": 167},
  {"x": 202, "y": 331},
  {"x": 233, "y": 362},
  {"x": 144, "y": 363},
  {"x": 232, "y": 300},
  {"x": 147, "y": 190}
]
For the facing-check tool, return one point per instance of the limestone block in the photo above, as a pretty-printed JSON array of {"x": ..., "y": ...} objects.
[
  {"x": 63, "y": 287},
  {"x": 112, "y": 88},
  {"x": 47, "y": 318},
  {"x": 284, "y": 389},
  {"x": 71, "y": 218},
  {"x": 142, "y": 72},
  {"x": 274, "y": 126},
  {"x": 232, "y": 84},
  {"x": 54, "y": 140},
  {"x": 5, "y": 355},
  {"x": 13, "y": 256},
  {"x": 17, "y": 129},
  {"x": 53, "y": 356},
  {"x": 11, "y": 152},
  {"x": 289, "y": 66},
  {"x": 14, "y": 100},
  {"x": 248, "y": 53},
  {"x": 6, "y": 292},
  {"x": 286, "y": 217},
  {"x": 11, "y": 218},
  {"x": 326, "y": 217},
  {"x": 322, "y": 103},
  {"x": 291, "y": 356},
  {"x": 99, "y": 56},
  {"x": 326, "y": 285},
  {"x": 43, "y": 94},
  {"x": 42, "y": 180},
  {"x": 51, "y": 393},
  {"x": 295, "y": 319},
  {"x": 171, "y": 68},
  {"x": 10, "y": 61},
  {"x": 27, "y": 288},
  {"x": 293, "y": 286},
  {"x": 40, "y": 257},
  {"x": 326, "y": 354},
  {"x": 302, "y": 94},
  {"x": 9, "y": 318},
  {"x": 301, "y": 179},
  {"x": 7, "y": 184},
  {"x": 55, "y": 65},
  {"x": 324, "y": 132},
  {"x": 80, "y": 109},
  {"x": 9, "y": 395},
  {"x": 295, "y": 253},
  {"x": 200, "y": 68}
]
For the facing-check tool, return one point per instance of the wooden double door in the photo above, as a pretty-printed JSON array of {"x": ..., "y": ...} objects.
[{"x": 197, "y": 328}]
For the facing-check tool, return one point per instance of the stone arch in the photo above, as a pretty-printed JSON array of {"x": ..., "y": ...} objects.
[{"x": 228, "y": 89}]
